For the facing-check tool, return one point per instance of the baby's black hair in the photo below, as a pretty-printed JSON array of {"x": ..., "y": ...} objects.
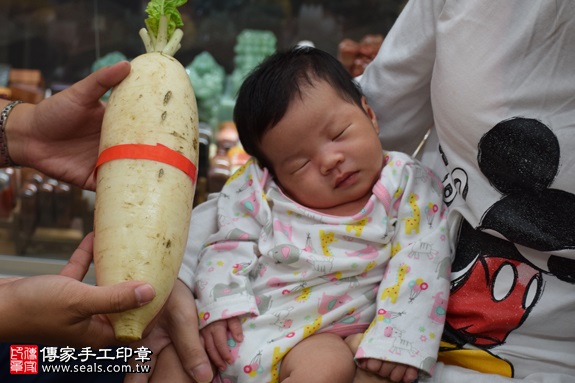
[{"x": 266, "y": 93}]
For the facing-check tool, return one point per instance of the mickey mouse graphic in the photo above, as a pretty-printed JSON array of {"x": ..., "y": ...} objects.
[{"x": 521, "y": 158}]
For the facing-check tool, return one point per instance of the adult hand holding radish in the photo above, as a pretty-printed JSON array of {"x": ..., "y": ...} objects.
[
  {"x": 178, "y": 352},
  {"x": 146, "y": 171},
  {"x": 61, "y": 310},
  {"x": 59, "y": 137},
  {"x": 62, "y": 135}
]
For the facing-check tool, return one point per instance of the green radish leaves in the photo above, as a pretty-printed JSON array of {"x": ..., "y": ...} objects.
[
  {"x": 157, "y": 8},
  {"x": 161, "y": 33}
]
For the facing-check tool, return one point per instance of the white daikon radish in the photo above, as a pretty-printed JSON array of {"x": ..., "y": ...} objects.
[{"x": 146, "y": 174}]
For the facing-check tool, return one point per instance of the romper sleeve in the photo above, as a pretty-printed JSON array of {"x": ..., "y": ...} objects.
[
  {"x": 222, "y": 277},
  {"x": 202, "y": 225},
  {"x": 413, "y": 295}
]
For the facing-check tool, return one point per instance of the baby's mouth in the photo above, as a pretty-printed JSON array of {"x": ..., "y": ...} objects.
[{"x": 345, "y": 179}]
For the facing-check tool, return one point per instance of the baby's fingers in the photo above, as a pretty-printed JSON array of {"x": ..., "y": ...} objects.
[
  {"x": 398, "y": 373},
  {"x": 379, "y": 367},
  {"x": 210, "y": 335},
  {"x": 411, "y": 375},
  {"x": 235, "y": 328},
  {"x": 221, "y": 343}
]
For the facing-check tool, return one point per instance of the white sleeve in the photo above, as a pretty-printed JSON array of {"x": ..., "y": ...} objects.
[
  {"x": 397, "y": 83},
  {"x": 202, "y": 225}
]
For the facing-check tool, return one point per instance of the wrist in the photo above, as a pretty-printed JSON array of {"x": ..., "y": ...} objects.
[
  {"x": 13, "y": 128},
  {"x": 5, "y": 159},
  {"x": 9, "y": 329}
]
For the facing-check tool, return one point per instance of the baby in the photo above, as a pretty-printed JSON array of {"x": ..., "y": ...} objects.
[{"x": 321, "y": 235}]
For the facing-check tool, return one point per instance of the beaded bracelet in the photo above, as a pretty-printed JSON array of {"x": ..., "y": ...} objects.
[{"x": 5, "y": 159}]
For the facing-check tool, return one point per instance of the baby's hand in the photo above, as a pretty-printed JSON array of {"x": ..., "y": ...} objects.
[
  {"x": 396, "y": 372},
  {"x": 216, "y": 336}
]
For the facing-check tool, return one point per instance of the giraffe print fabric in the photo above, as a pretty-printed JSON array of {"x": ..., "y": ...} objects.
[{"x": 290, "y": 272}]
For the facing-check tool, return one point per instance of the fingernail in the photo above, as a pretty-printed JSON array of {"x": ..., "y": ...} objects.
[
  {"x": 144, "y": 294},
  {"x": 202, "y": 373}
]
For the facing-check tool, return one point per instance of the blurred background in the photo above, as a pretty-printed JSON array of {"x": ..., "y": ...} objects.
[
  {"x": 62, "y": 38},
  {"x": 47, "y": 45}
]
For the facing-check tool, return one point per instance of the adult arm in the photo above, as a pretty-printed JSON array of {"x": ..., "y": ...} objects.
[{"x": 397, "y": 83}]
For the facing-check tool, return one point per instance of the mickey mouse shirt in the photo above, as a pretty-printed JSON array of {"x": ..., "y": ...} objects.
[{"x": 497, "y": 81}]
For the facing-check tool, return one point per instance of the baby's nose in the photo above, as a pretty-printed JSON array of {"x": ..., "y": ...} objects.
[{"x": 330, "y": 161}]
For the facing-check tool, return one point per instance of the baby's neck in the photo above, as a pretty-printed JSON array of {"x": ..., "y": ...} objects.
[{"x": 347, "y": 209}]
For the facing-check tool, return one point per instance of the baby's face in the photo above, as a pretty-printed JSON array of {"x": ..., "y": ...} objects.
[{"x": 325, "y": 152}]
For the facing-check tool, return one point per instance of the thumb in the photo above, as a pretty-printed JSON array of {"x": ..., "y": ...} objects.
[
  {"x": 120, "y": 297},
  {"x": 99, "y": 82},
  {"x": 183, "y": 330},
  {"x": 112, "y": 75}
]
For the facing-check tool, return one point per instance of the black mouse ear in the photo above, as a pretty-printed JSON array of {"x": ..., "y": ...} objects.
[
  {"x": 519, "y": 154},
  {"x": 520, "y": 157},
  {"x": 540, "y": 221},
  {"x": 562, "y": 268}
]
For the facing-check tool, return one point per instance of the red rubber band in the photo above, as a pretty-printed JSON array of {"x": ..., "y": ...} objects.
[{"x": 158, "y": 152}]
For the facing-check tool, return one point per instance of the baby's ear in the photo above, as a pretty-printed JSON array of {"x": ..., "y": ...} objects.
[
  {"x": 370, "y": 113},
  {"x": 264, "y": 164},
  {"x": 259, "y": 163}
]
